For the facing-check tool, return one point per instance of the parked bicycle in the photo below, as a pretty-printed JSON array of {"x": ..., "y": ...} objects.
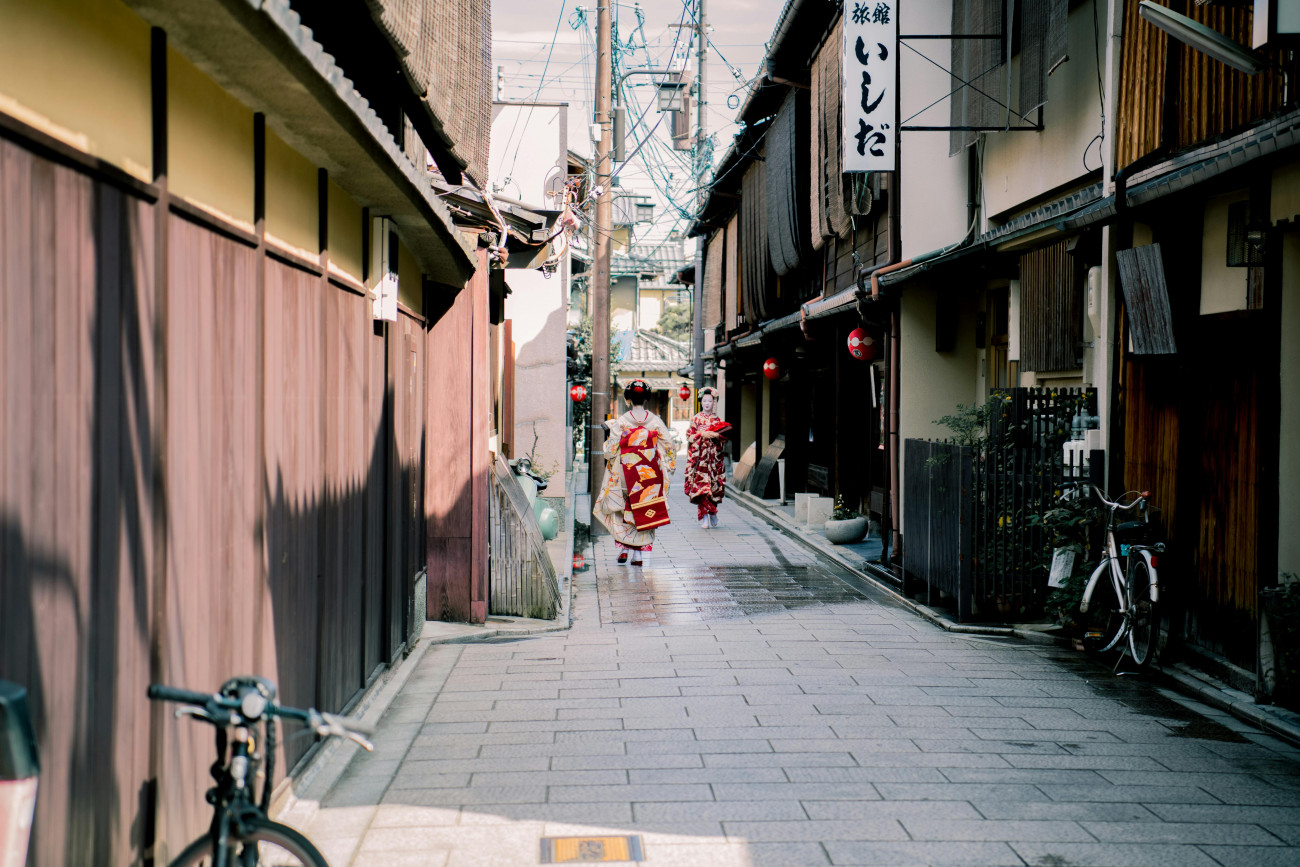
[
  {"x": 1123, "y": 593},
  {"x": 241, "y": 834}
]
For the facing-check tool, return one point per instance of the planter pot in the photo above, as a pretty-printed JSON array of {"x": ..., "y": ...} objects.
[
  {"x": 1278, "y": 678},
  {"x": 846, "y": 532}
]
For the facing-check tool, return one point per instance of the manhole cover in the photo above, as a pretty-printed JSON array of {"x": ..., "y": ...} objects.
[{"x": 566, "y": 850}]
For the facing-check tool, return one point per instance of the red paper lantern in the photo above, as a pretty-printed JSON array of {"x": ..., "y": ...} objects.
[
  {"x": 772, "y": 369},
  {"x": 578, "y": 393},
  {"x": 684, "y": 392},
  {"x": 861, "y": 346}
]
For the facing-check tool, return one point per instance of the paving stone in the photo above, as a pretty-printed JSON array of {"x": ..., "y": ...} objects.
[
  {"x": 1252, "y": 856},
  {"x": 735, "y": 703},
  {"x": 920, "y": 853},
  {"x": 985, "y": 829},
  {"x": 1114, "y": 854},
  {"x": 1181, "y": 832}
]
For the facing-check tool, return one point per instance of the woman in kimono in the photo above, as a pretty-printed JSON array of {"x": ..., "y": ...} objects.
[
  {"x": 640, "y": 455},
  {"x": 706, "y": 479}
]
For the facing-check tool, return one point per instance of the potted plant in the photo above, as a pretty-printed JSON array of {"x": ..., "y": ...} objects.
[
  {"x": 1279, "y": 643},
  {"x": 846, "y": 525}
]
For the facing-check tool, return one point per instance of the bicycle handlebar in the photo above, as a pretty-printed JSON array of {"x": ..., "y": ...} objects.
[
  {"x": 159, "y": 692},
  {"x": 218, "y": 708},
  {"x": 1101, "y": 495}
]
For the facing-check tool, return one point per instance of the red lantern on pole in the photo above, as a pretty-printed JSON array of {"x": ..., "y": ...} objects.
[
  {"x": 578, "y": 393},
  {"x": 684, "y": 392},
  {"x": 861, "y": 346},
  {"x": 772, "y": 369}
]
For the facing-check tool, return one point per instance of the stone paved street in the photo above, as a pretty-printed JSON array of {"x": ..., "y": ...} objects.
[{"x": 736, "y": 701}]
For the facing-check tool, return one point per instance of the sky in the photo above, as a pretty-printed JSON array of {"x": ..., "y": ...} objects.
[{"x": 545, "y": 50}]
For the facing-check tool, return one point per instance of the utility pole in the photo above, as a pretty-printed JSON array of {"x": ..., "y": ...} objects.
[
  {"x": 600, "y": 387},
  {"x": 701, "y": 169}
]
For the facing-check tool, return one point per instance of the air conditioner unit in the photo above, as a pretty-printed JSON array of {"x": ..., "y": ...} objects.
[{"x": 1277, "y": 22}]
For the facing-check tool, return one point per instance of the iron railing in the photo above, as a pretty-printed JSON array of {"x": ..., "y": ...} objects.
[{"x": 967, "y": 510}]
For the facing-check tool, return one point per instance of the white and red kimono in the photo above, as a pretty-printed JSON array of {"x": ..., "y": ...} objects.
[
  {"x": 640, "y": 456},
  {"x": 706, "y": 480}
]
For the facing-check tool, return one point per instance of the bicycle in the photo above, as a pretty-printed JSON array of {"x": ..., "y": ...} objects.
[
  {"x": 241, "y": 834},
  {"x": 1126, "y": 606}
]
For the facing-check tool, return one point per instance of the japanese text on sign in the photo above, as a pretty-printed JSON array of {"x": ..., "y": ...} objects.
[{"x": 870, "y": 75}]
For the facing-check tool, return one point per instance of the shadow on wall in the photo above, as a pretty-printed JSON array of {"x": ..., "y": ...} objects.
[
  {"x": 75, "y": 537},
  {"x": 87, "y": 616}
]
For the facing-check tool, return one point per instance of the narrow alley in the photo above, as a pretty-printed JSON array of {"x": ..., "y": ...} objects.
[{"x": 740, "y": 701}]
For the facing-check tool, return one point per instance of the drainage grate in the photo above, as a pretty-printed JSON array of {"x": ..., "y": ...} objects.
[{"x": 567, "y": 850}]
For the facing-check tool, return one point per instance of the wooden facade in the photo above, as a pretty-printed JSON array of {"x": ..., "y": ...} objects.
[
  {"x": 1173, "y": 96},
  {"x": 213, "y": 465}
]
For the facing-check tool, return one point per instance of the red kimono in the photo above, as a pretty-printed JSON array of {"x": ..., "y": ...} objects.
[{"x": 706, "y": 479}]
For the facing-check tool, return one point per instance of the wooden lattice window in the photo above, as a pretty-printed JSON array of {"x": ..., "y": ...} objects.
[{"x": 1051, "y": 309}]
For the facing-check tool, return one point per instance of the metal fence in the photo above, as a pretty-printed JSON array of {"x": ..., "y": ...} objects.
[
  {"x": 937, "y": 515},
  {"x": 968, "y": 510},
  {"x": 522, "y": 580}
]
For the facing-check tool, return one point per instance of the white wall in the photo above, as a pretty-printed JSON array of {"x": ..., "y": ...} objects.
[
  {"x": 933, "y": 212},
  {"x": 1222, "y": 288},
  {"x": 1021, "y": 166},
  {"x": 537, "y": 306}
]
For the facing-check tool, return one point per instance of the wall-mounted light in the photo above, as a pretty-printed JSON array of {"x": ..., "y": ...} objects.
[{"x": 1203, "y": 39}]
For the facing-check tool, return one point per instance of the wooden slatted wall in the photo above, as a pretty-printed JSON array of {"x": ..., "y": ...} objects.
[
  {"x": 1212, "y": 98},
  {"x": 77, "y": 320},
  {"x": 1051, "y": 309},
  {"x": 214, "y": 565},
  {"x": 275, "y": 547}
]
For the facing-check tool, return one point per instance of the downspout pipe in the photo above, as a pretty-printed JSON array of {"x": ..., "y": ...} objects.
[{"x": 1122, "y": 176}]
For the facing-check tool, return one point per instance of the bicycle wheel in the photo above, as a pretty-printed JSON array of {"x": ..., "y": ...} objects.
[
  {"x": 1103, "y": 626},
  {"x": 1144, "y": 619},
  {"x": 269, "y": 844}
]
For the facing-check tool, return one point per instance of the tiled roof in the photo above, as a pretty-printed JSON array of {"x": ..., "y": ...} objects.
[
  {"x": 664, "y": 259},
  {"x": 649, "y": 350}
]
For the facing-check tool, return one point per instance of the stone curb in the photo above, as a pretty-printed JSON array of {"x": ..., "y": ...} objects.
[{"x": 1277, "y": 721}]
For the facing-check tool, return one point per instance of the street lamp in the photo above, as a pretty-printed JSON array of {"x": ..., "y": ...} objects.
[
  {"x": 620, "y": 111},
  {"x": 670, "y": 95}
]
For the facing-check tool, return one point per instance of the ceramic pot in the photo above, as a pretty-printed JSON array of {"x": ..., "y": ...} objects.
[{"x": 846, "y": 532}]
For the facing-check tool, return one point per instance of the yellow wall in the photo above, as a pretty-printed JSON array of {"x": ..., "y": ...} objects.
[
  {"x": 209, "y": 143},
  {"x": 1288, "y": 552},
  {"x": 347, "y": 237},
  {"x": 1222, "y": 288},
  {"x": 292, "y": 198},
  {"x": 1285, "y": 200},
  {"x": 79, "y": 71},
  {"x": 410, "y": 290},
  {"x": 931, "y": 383}
]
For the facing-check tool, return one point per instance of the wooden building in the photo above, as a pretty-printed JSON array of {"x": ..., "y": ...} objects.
[
  {"x": 221, "y": 453},
  {"x": 1113, "y": 212}
]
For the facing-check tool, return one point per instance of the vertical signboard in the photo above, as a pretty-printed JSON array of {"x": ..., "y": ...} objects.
[{"x": 870, "y": 75}]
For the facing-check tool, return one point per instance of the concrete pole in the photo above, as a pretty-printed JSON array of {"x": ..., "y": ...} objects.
[
  {"x": 701, "y": 169},
  {"x": 600, "y": 378}
]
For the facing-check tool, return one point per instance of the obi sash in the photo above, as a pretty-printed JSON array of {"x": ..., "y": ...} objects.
[{"x": 638, "y": 457}]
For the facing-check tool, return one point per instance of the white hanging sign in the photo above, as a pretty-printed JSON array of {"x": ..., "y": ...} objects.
[
  {"x": 385, "y": 301},
  {"x": 869, "y": 70}
]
